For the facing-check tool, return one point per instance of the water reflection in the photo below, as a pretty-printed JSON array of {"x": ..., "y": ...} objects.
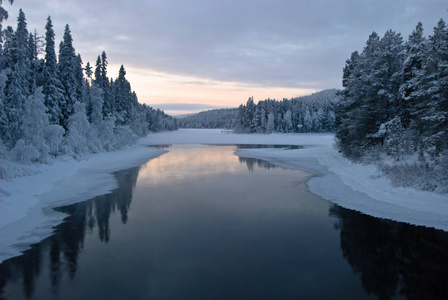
[
  {"x": 66, "y": 244},
  {"x": 261, "y": 248},
  {"x": 394, "y": 259},
  {"x": 261, "y": 146},
  {"x": 251, "y": 162}
]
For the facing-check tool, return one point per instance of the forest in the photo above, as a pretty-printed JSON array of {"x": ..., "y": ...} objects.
[
  {"x": 53, "y": 105},
  {"x": 394, "y": 106},
  {"x": 215, "y": 118},
  {"x": 313, "y": 113}
]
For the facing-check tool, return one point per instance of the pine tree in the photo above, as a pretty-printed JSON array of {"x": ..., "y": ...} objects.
[
  {"x": 434, "y": 111},
  {"x": 348, "y": 108},
  {"x": 412, "y": 77}
]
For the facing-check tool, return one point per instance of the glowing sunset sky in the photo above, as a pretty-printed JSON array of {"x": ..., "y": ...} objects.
[{"x": 191, "y": 55}]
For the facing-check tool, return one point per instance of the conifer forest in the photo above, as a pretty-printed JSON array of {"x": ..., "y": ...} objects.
[{"x": 52, "y": 104}]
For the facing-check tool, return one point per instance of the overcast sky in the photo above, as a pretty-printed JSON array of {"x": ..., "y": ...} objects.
[{"x": 220, "y": 52}]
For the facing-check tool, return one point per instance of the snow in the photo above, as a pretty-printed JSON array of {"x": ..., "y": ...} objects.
[
  {"x": 354, "y": 186},
  {"x": 26, "y": 216}
]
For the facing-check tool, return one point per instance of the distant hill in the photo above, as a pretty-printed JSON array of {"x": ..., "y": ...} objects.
[
  {"x": 215, "y": 118},
  {"x": 183, "y": 115}
]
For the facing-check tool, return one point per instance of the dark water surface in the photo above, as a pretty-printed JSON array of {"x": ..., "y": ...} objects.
[{"x": 201, "y": 223}]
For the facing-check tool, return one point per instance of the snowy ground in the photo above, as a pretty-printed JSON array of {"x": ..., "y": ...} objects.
[{"x": 26, "y": 215}]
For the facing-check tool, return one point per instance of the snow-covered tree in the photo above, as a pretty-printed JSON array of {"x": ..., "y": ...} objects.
[
  {"x": 314, "y": 113},
  {"x": 270, "y": 126},
  {"x": 52, "y": 87},
  {"x": 43, "y": 101},
  {"x": 67, "y": 65},
  {"x": 37, "y": 134},
  {"x": 395, "y": 97},
  {"x": 17, "y": 89}
]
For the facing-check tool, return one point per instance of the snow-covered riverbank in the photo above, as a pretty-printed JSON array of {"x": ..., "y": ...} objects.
[{"x": 26, "y": 215}]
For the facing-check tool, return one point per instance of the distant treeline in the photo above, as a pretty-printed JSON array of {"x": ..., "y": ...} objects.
[
  {"x": 216, "y": 118},
  {"x": 313, "y": 113},
  {"x": 52, "y": 105}
]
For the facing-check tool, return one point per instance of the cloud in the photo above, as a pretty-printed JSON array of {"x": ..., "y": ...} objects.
[{"x": 284, "y": 43}]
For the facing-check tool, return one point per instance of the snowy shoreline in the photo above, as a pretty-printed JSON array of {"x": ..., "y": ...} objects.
[
  {"x": 26, "y": 211},
  {"x": 354, "y": 186},
  {"x": 26, "y": 216}
]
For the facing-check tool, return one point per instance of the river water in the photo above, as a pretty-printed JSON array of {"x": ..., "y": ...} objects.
[{"x": 200, "y": 223}]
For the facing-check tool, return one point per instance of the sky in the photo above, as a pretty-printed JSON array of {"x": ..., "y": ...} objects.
[{"x": 186, "y": 56}]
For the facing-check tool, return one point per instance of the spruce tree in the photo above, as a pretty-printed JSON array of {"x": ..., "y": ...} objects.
[
  {"x": 79, "y": 78},
  {"x": 67, "y": 74},
  {"x": 17, "y": 90},
  {"x": 53, "y": 89},
  {"x": 123, "y": 103},
  {"x": 102, "y": 81}
]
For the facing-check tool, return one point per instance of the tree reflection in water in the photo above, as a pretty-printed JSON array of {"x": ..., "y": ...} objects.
[
  {"x": 394, "y": 259},
  {"x": 65, "y": 245},
  {"x": 252, "y": 162}
]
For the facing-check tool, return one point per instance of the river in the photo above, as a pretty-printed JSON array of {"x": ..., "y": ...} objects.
[{"x": 201, "y": 223}]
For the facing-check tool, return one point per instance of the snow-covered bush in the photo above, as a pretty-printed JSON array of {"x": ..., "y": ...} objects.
[
  {"x": 139, "y": 125},
  {"x": 106, "y": 134},
  {"x": 75, "y": 142},
  {"x": 422, "y": 176},
  {"x": 54, "y": 137},
  {"x": 24, "y": 153},
  {"x": 125, "y": 136},
  {"x": 37, "y": 131}
]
